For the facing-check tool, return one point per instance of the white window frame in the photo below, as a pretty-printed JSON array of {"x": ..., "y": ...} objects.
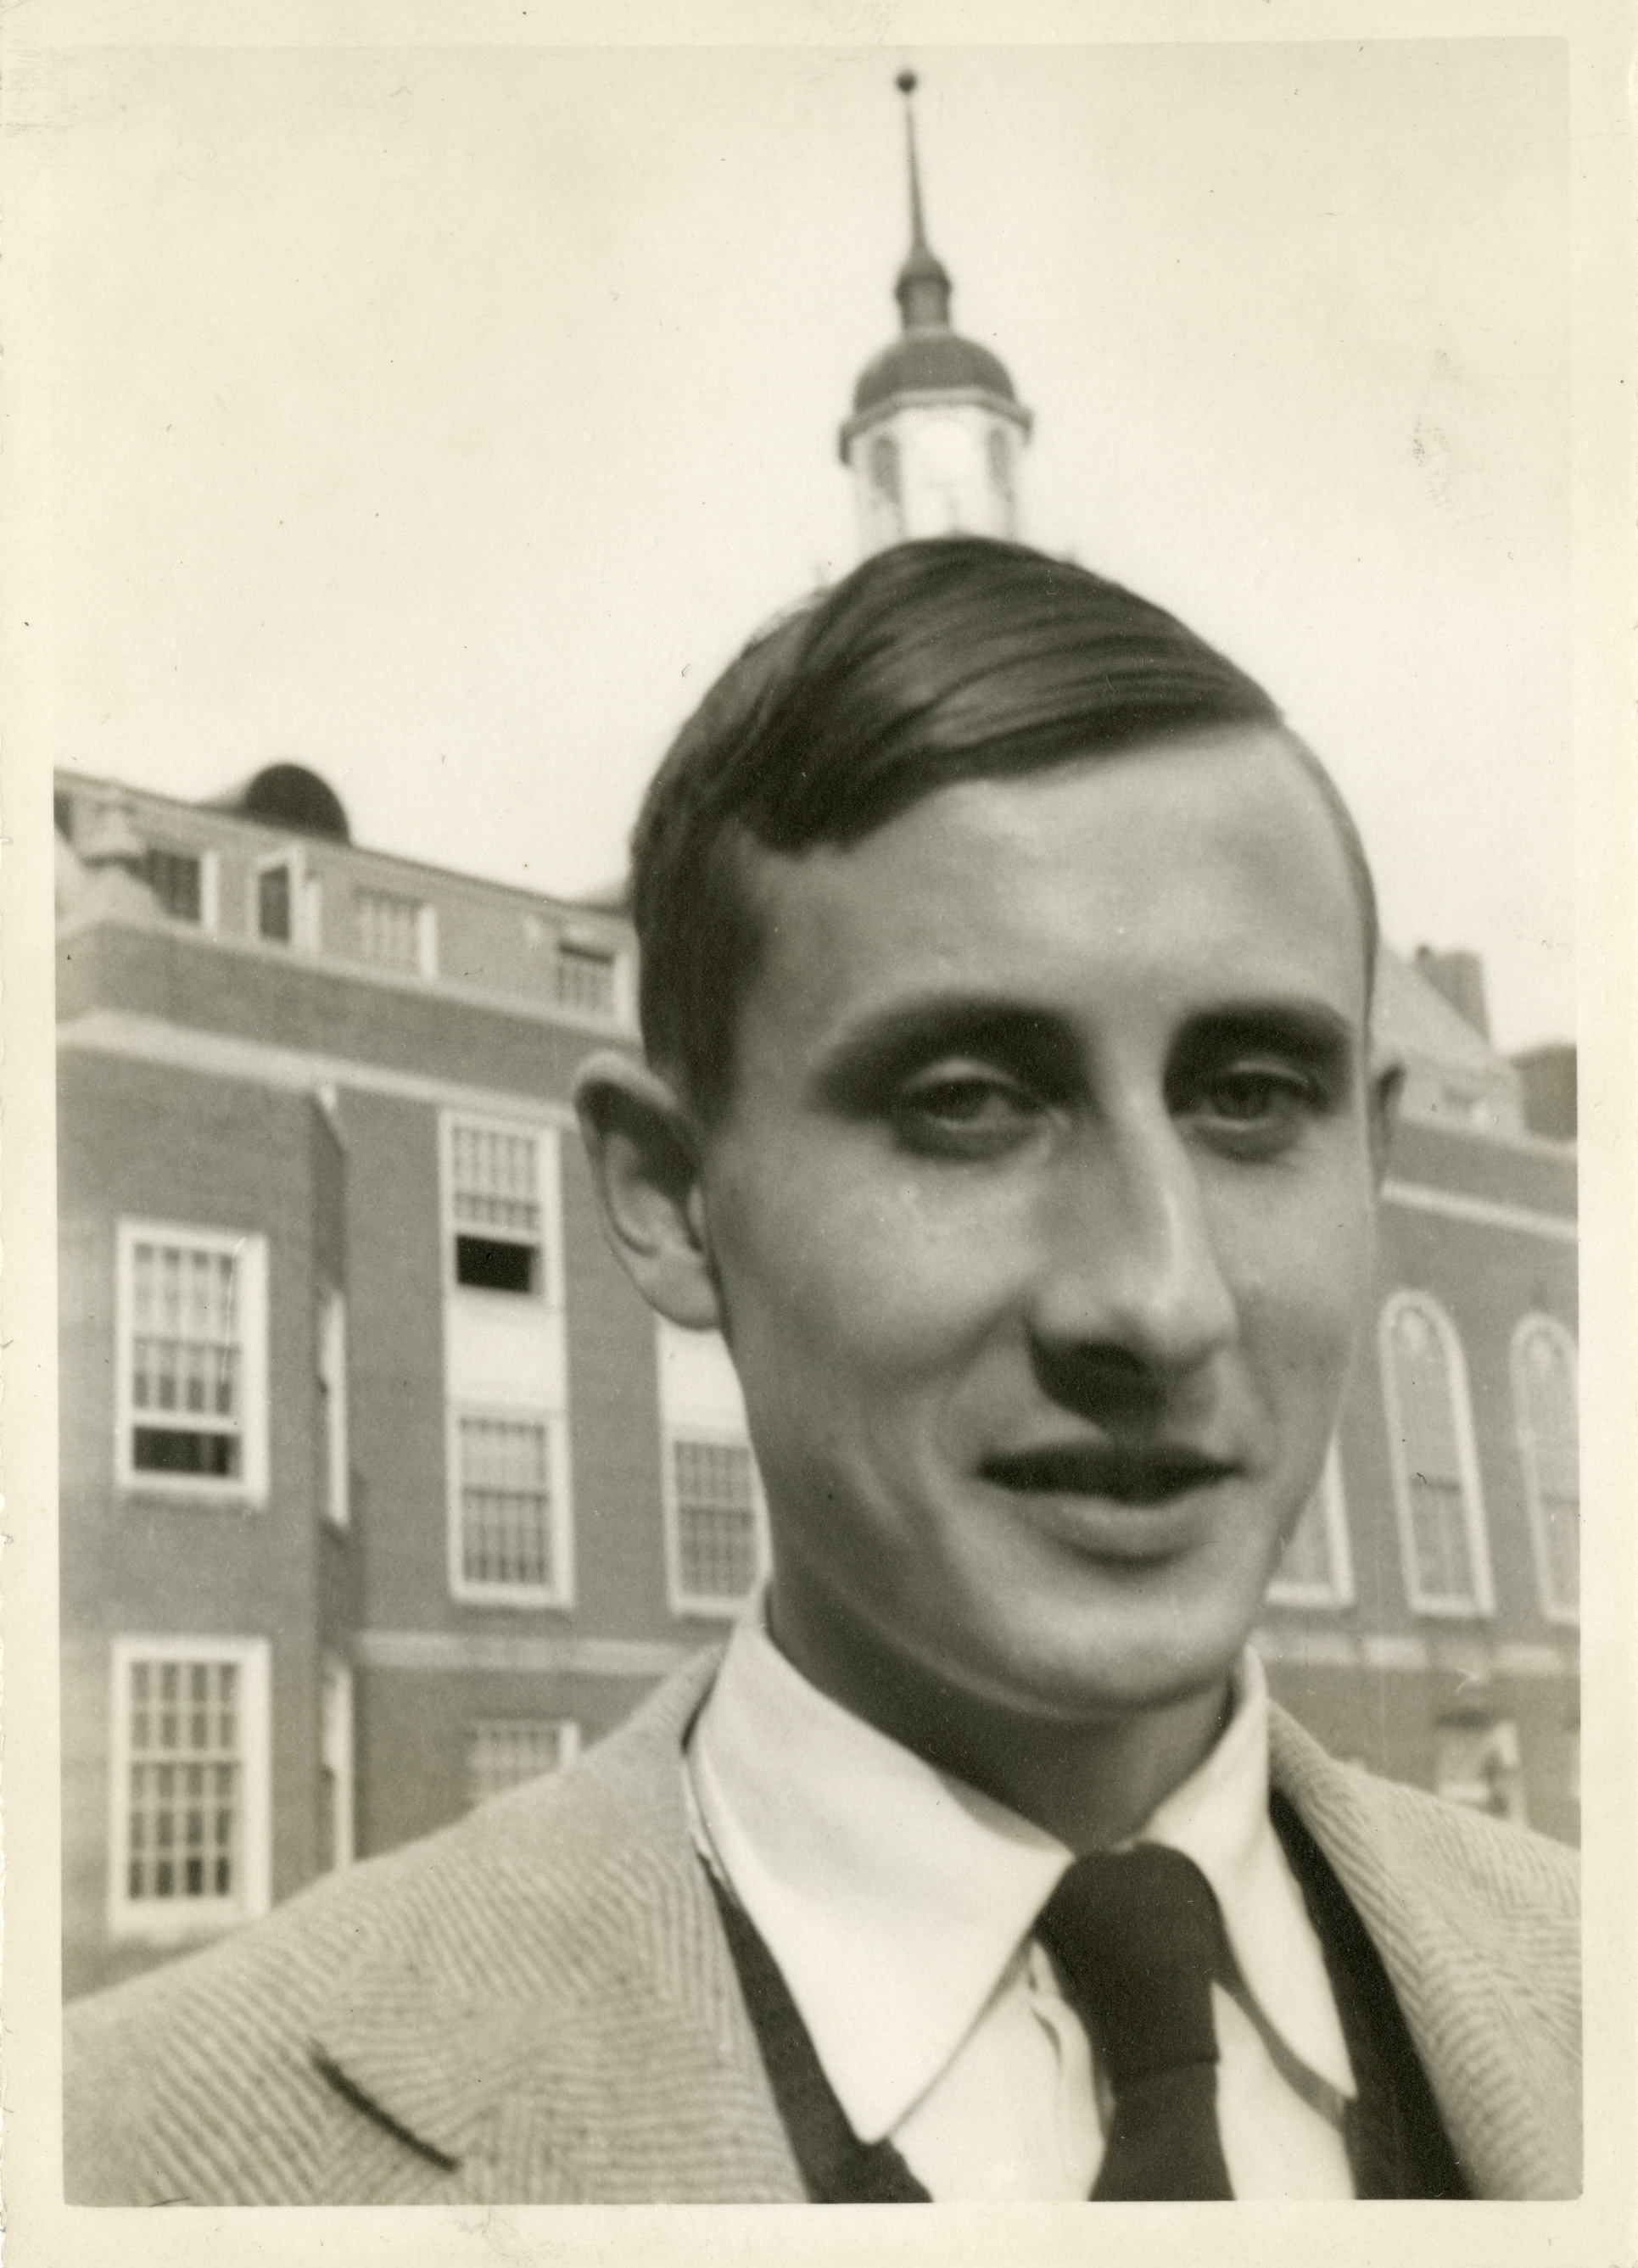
[
  {"x": 1482, "y": 1603},
  {"x": 172, "y": 1921},
  {"x": 336, "y": 1754},
  {"x": 249, "y": 1251},
  {"x": 567, "y": 1730},
  {"x": 679, "y": 1600},
  {"x": 1339, "y": 1591},
  {"x": 1568, "y": 1615},
  {"x": 560, "y": 1593},
  {"x": 331, "y": 1327},
  {"x": 549, "y": 1181}
]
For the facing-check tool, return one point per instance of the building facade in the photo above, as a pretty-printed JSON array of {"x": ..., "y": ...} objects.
[{"x": 381, "y": 1490}]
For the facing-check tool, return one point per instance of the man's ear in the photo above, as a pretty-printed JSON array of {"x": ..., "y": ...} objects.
[
  {"x": 1387, "y": 1083},
  {"x": 645, "y": 1161}
]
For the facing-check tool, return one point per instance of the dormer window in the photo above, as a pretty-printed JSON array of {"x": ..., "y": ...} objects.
[
  {"x": 287, "y": 901},
  {"x": 585, "y": 977},
  {"x": 183, "y": 882},
  {"x": 276, "y": 896}
]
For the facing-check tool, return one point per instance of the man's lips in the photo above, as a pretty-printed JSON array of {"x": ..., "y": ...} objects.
[{"x": 1151, "y": 1473}]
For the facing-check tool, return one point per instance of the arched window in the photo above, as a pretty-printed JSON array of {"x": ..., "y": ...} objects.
[
  {"x": 1549, "y": 1449},
  {"x": 1434, "y": 1462}
]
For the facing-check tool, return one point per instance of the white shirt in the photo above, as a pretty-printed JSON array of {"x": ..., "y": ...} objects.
[{"x": 898, "y": 1903}]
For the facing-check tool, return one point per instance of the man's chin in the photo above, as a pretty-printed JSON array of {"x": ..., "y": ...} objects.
[{"x": 1111, "y": 1669}]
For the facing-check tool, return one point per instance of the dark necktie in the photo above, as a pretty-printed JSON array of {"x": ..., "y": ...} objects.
[{"x": 1139, "y": 1939}]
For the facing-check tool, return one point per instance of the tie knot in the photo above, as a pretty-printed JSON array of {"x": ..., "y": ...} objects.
[{"x": 1139, "y": 1938}]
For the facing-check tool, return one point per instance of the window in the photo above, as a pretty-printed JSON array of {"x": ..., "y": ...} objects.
[
  {"x": 177, "y": 879},
  {"x": 509, "y": 1542},
  {"x": 399, "y": 932},
  {"x": 287, "y": 902},
  {"x": 585, "y": 978},
  {"x": 1317, "y": 1567},
  {"x": 192, "y": 1387},
  {"x": 332, "y": 1382},
  {"x": 1000, "y": 453},
  {"x": 1433, "y": 1461},
  {"x": 495, "y": 1186},
  {"x": 884, "y": 467},
  {"x": 715, "y": 1523},
  {"x": 190, "y": 1826},
  {"x": 63, "y": 814},
  {"x": 276, "y": 901},
  {"x": 505, "y": 1752},
  {"x": 1476, "y": 1763},
  {"x": 1549, "y": 1449}
]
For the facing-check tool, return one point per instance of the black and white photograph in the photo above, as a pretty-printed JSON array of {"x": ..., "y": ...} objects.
[{"x": 834, "y": 966}]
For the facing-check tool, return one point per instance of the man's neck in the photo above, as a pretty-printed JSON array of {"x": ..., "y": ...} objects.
[{"x": 1091, "y": 1783}]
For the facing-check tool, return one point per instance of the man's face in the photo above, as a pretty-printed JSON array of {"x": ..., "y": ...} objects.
[{"x": 1043, "y": 1217}]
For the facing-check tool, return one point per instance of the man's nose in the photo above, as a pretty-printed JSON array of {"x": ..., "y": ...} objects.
[{"x": 1131, "y": 1272}]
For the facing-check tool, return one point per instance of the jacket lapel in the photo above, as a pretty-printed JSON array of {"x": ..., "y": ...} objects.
[
  {"x": 1476, "y": 1925},
  {"x": 558, "y": 2017}
]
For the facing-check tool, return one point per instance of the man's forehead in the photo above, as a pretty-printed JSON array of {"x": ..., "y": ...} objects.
[{"x": 1223, "y": 841}]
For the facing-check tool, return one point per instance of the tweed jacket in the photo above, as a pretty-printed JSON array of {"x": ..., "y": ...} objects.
[{"x": 538, "y": 2005}]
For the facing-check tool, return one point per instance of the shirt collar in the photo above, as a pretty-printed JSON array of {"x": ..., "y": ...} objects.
[{"x": 894, "y": 1896}]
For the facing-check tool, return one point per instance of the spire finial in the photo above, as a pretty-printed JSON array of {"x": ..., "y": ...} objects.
[
  {"x": 923, "y": 290},
  {"x": 907, "y": 85}
]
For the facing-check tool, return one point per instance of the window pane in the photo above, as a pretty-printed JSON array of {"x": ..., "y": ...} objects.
[
  {"x": 716, "y": 1515},
  {"x": 505, "y": 1502},
  {"x": 273, "y": 904},
  {"x": 185, "y": 1784}
]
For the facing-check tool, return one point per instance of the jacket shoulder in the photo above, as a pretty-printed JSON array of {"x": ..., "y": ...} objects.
[{"x": 208, "y": 2078}]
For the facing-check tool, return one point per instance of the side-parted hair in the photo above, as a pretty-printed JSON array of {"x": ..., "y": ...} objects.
[{"x": 955, "y": 658}]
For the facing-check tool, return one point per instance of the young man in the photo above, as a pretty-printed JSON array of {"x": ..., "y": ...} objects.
[{"x": 1009, "y": 1106}]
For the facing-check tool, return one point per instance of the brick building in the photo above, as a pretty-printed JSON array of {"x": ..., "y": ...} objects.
[{"x": 380, "y": 1488}]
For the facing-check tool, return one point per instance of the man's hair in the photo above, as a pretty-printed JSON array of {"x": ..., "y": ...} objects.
[{"x": 956, "y": 658}]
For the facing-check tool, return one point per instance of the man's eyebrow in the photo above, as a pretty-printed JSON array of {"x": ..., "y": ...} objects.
[
  {"x": 884, "y": 1046},
  {"x": 1312, "y": 1030}
]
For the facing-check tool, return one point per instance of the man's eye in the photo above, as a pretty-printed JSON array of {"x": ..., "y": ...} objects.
[
  {"x": 964, "y": 1111},
  {"x": 1257, "y": 1098}
]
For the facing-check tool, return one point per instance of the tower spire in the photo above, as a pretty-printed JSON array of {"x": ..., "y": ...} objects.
[{"x": 923, "y": 290}]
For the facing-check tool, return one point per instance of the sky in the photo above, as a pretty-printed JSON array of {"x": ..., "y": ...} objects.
[{"x": 445, "y": 419}]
